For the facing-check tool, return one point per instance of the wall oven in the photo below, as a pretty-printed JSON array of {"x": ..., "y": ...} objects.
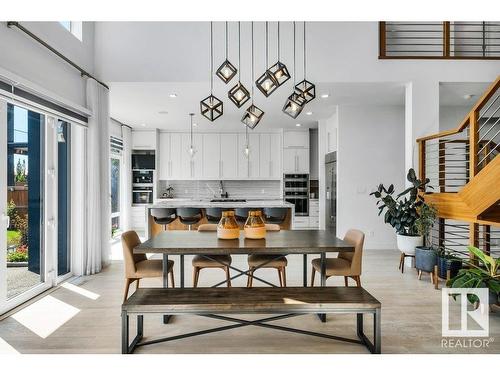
[
  {"x": 296, "y": 191},
  {"x": 142, "y": 195},
  {"x": 142, "y": 177}
]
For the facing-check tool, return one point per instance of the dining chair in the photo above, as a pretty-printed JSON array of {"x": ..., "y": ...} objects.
[
  {"x": 347, "y": 264},
  {"x": 138, "y": 266},
  {"x": 217, "y": 260},
  {"x": 268, "y": 261}
]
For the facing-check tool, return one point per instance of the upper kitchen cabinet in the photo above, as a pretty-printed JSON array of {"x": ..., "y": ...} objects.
[
  {"x": 254, "y": 156},
  {"x": 270, "y": 156},
  {"x": 296, "y": 160},
  {"x": 191, "y": 165},
  {"x": 144, "y": 139},
  {"x": 242, "y": 158},
  {"x": 298, "y": 139},
  {"x": 229, "y": 156},
  {"x": 211, "y": 156}
]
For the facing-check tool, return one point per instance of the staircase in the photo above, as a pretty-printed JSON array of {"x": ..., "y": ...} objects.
[{"x": 463, "y": 166}]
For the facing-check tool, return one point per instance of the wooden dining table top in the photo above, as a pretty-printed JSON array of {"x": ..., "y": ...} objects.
[{"x": 177, "y": 242}]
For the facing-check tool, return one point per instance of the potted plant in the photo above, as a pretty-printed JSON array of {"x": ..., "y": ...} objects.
[
  {"x": 401, "y": 212},
  {"x": 425, "y": 256},
  {"x": 447, "y": 261},
  {"x": 484, "y": 274}
]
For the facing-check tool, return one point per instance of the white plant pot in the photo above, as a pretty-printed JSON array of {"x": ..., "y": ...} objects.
[{"x": 407, "y": 244}]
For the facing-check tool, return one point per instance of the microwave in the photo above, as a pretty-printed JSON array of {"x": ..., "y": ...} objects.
[{"x": 143, "y": 161}]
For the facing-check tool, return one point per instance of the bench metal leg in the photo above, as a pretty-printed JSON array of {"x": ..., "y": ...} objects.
[
  {"x": 126, "y": 347},
  {"x": 376, "y": 346},
  {"x": 124, "y": 333},
  {"x": 304, "y": 270},
  {"x": 182, "y": 270},
  {"x": 166, "y": 318}
]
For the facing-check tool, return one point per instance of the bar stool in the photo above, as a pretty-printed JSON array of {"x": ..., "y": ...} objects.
[
  {"x": 218, "y": 260},
  {"x": 275, "y": 215},
  {"x": 213, "y": 214},
  {"x": 163, "y": 216},
  {"x": 189, "y": 216},
  {"x": 241, "y": 213}
]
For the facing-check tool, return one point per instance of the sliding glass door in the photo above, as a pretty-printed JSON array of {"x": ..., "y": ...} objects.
[{"x": 35, "y": 250}]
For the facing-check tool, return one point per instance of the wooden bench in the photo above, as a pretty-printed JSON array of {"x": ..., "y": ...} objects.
[{"x": 288, "y": 302}]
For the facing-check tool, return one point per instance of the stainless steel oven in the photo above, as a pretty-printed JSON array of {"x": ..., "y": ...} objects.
[
  {"x": 142, "y": 195},
  {"x": 296, "y": 191},
  {"x": 142, "y": 177}
]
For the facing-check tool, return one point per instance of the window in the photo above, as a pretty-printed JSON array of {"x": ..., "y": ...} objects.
[{"x": 74, "y": 27}]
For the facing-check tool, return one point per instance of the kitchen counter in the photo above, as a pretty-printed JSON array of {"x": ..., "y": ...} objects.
[{"x": 153, "y": 228}]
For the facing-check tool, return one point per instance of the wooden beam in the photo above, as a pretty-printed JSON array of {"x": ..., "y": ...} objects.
[
  {"x": 421, "y": 160},
  {"x": 381, "y": 40},
  {"x": 446, "y": 39},
  {"x": 474, "y": 143}
]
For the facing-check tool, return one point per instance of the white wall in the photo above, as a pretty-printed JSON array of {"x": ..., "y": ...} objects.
[
  {"x": 451, "y": 116},
  {"x": 26, "y": 58},
  {"x": 370, "y": 152}
]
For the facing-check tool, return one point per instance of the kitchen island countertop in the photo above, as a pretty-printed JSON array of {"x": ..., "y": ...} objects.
[{"x": 175, "y": 203}]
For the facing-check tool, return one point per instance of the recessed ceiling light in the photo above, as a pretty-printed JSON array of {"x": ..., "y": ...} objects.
[
  {"x": 195, "y": 124},
  {"x": 143, "y": 124},
  {"x": 324, "y": 96},
  {"x": 309, "y": 113},
  {"x": 173, "y": 95},
  {"x": 469, "y": 96},
  {"x": 163, "y": 112},
  {"x": 298, "y": 124}
]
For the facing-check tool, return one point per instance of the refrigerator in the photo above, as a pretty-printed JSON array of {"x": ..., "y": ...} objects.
[{"x": 331, "y": 191}]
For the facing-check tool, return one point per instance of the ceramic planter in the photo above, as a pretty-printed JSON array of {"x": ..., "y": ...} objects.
[
  {"x": 425, "y": 258},
  {"x": 407, "y": 244},
  {"x": 445, "y": 264}
]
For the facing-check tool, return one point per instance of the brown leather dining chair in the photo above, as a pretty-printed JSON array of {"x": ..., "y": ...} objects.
[
  {"x": 200, "y": 262},
  {"x": 346, "y": 264},
  {"x": 138, "y": 266},
  {"x": 268, "y": 261}
]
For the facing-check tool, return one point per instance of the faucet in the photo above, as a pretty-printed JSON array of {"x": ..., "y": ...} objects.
[{"x": 221, "y": 190}]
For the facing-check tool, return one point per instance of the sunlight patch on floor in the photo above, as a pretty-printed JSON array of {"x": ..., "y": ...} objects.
[
  {"x": 6, "y": 348},
  {"x": 45, "y": 316},
  {"x": 81, "y": 291}
]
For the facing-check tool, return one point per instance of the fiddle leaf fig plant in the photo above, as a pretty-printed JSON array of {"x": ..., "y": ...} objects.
[{"x": 402, "y": 210}]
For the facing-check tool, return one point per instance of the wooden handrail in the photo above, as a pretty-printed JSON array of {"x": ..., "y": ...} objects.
[{"x": 465, "y": 122}]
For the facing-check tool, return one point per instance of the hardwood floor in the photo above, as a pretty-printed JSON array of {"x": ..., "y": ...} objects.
[{"x": 86, "y": 322}]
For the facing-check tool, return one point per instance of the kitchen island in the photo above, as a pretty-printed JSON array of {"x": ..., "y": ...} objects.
[{"x": 153, "y": 229}]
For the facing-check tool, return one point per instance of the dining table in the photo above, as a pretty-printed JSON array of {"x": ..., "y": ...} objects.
[{"x": 279, "y": 243}]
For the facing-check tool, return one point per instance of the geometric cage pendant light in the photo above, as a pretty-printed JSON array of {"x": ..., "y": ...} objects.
[
  {"x": 211, "y": 107},
  {"x": 279, "y": 70},
  {"x": 253, "y": 114},
  {"x": 239, "y": 94},
  {"x": 305, "y": 88},
  {"x": 266, "y": 82},
  {"x": 295, "y": 102},
  {"x": 226, "y": 71}
]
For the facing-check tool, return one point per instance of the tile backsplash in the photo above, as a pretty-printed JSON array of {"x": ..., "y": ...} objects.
[{"x": 200, "y": 189}]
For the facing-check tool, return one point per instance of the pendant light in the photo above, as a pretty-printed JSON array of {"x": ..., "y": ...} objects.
[
  {"x": 295, "y": 102},
  {"x": 226, "y": 71},
  {"x": 239, "y": 95},
  {"x": 246, "y": 150},
  {"x": 279, "y": 70},
  {"x": 265, "y": 83},
  {"x": 253, "y": 114},
  {"x": 191, "y": 149},
  {"x": 211, "y": 107},
  {"x": 305, "y": 88}
]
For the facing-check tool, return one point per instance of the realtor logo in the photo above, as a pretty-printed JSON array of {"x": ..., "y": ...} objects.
[{"x": 480, "y": 314}]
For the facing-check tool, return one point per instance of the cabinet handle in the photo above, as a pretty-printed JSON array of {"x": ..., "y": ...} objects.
[{"x": 270, "y": 168}]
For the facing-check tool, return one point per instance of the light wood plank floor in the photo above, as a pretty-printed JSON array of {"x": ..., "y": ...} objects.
[{"x": 411, "y": 317}]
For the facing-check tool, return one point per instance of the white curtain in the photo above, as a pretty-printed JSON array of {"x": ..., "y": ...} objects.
[
  {"x": 98, "y": 190},
  {"x": 126, "y": 181}
]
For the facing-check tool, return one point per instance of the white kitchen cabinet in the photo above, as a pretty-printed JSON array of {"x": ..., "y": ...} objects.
[
  {"x": 175, "y": 160},
  {"x": 265, "y": 156},
  {"x": 211, "y": 156},
  {"x": 296, "y": 160},
  {"x": 254, "y": 158},
  {"x": 242, "y": 159},
  {"x": 144, "y": 139},
  {"x": 138, "y": 218},
  {"x": 229, "y": 156},
  {"x": 191, "y": 167},
  {"x": 275, "y": 165},
  {"x": 298, "y": 139},
  {"x": 163, "y": 163}
]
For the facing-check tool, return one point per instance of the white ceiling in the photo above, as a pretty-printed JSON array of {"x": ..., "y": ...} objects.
[
  {"x": 139, "y": 104},
  {"x": 454, "y": 93}
]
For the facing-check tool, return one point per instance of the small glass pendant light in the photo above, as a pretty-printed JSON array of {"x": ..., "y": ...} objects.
[
  {"x": 295, "y": 102},
  {"x": 211, "y": 107},
  {"x": 253, "y": 114},
  {"x": 279, "y": 70},
  {"x": 265, "y": 83},
  {"x": 246, "y": 150},
  {"x": 191, "y": 149},
  {"x": 305, "y": 88},
  {"x": 226, "y": 71},
  {"x": 239, "y": 95}
]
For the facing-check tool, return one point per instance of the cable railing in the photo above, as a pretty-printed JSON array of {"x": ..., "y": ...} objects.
[{"x": 439, "y": 40}]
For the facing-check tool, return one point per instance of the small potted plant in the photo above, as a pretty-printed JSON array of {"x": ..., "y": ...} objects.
[
  {"x": 447, "y": 261},
  {"x": 425, "y": 256},
  {"x": 483, "y": 274},
  {"x": 402, "y": 211}
]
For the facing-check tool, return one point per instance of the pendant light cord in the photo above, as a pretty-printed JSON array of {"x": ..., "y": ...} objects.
[
  {"x": 304, "y": 50},
  {"x": 191, "y": 131},
  {"x": 211, "y": 58},
  {"x": 239, "y": 51},
  {"x": 267, "y": 44},
  {"x": 252, "y": 65},
  {"x": 294, "y": 65},
  {"x": 226, "y": 40},
  {"x": 278, "y": 40}
]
